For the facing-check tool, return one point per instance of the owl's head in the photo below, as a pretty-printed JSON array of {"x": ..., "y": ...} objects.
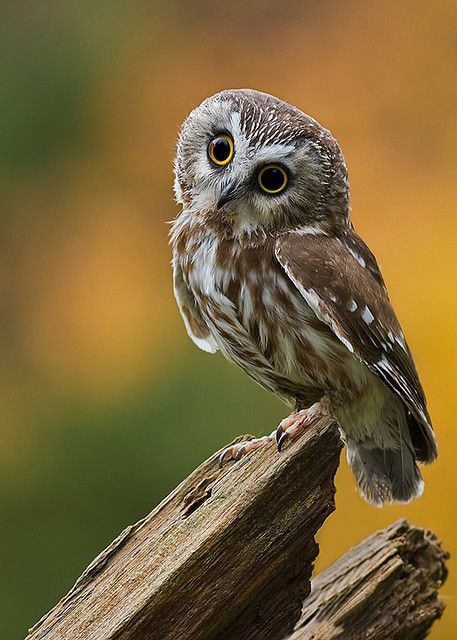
[{"x": 247, "y": 161}]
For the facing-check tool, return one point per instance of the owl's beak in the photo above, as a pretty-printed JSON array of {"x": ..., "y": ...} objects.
[{"x": 229, "y": 192}]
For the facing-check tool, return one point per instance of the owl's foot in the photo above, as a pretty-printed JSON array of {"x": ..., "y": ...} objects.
[
  {"x": 300, "y": 420},
  {"x": 240, "y": 449}
]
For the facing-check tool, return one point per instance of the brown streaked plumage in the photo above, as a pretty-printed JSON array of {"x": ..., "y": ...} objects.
[{"x": 281, "y": 284}]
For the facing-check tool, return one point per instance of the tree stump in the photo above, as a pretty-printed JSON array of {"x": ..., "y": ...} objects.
[{"x": 229, "y": 555}]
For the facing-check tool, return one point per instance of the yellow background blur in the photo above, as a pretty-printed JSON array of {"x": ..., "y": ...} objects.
[{"x": 105, "y": 403}]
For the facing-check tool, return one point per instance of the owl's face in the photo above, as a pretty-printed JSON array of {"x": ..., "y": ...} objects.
[{"x": 248, "y": 161}]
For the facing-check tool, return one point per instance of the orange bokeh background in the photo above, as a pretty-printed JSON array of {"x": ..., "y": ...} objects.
[{"x": 105, "y": 403}]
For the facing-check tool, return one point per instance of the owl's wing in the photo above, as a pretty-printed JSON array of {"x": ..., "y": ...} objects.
[
  {"x": 195, "y": 324},
  {"x": 341, "y": 282}
]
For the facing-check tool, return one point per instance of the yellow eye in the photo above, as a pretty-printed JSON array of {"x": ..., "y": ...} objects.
[
  {"x": 272, "y": 179},
  {"x": 221, "y": 149}
]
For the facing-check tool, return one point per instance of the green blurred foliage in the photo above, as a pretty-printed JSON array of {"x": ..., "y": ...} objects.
[{"x": 51, "y": 56}]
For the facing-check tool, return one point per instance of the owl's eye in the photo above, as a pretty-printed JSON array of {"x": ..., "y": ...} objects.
[
  {"x": 272, "y": 179},
  {"x": 221, "y": 149}
]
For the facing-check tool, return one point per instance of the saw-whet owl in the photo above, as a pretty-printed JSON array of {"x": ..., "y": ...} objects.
[{"x": 269, "y": 270}]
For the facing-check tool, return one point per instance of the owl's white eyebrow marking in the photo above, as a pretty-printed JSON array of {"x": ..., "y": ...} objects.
[
  {"x": 358, "y": 257},
  {"x": 241, "y": 143},
  {"x": 367, "y": 316},
  {"x": 274, "y": 151},
  {"x": 351, "y": 305}
]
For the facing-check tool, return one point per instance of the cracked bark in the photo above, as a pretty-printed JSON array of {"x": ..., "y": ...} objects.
[
  {"x": 386, "y": 587},
  {"x": 229, "y": 554}
]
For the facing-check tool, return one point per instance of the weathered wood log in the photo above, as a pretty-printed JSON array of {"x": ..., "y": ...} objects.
[
  {"x": 385, "y": 588},
  {"x": 229, "y": 554}
]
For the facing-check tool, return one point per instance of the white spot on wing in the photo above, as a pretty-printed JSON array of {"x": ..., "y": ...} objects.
[
  {"x": 367, "y": 316},
  {"x": 351, "y": 305},
  {"x": 401, "y": 342},
  {"x": 358, "y": 257},
  {"x": 309, "y": 231}
]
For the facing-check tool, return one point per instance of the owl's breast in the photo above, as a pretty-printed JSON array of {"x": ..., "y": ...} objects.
[{"x": 259, "y": 319}]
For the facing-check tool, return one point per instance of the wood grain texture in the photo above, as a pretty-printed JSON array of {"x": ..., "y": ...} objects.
[
  {"x": 228, "y": 554},
  {"x": 385, "y": 588}
]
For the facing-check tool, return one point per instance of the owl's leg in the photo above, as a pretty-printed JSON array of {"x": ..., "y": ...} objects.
[
  {"x": 299, "y": 420},
  {"x": 290, "y": 427},
  {"x": 240, "y": 449}
]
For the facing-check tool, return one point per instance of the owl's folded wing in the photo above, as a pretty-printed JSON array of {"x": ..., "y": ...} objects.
[
  {"x": 195, "y": 324},
  {"x": 341, "y": 282}
]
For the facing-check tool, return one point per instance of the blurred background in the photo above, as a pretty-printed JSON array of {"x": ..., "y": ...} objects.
[{"x": 105, "y": 403}]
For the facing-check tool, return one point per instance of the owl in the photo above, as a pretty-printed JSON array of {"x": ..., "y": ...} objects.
[{"x": 269, "y": 270}]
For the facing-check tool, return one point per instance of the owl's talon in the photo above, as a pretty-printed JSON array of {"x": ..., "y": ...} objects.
[
  {"x": 239, "y": 454},
  {"x": 298, "y": 421},
  {"x": 282, "y": 438},
  {"x": 278, "y": 433},
  {"x": 237, "y": 451},
  {"x": 224, "y": 456}
]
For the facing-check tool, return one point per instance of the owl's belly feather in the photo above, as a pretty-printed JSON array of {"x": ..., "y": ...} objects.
[{"x": 260, "y": 321}]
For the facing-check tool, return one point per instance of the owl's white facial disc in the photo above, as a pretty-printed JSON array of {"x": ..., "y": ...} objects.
[{"x": 265, "y": 131}]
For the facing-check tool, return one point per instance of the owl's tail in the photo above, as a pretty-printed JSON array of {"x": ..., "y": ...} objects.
[
  {"x": 384, "y": 475},
  {"x": 387, "y": 473}
]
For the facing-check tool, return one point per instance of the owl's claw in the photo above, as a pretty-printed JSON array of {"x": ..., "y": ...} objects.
[
  {"x": 288, "y": 428},
  {"x": 237, "y": 451},
  {"x": 298, "y": 421},
  {"x": 239, "y": 454},
  {"x": 281, "y": 437}
]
